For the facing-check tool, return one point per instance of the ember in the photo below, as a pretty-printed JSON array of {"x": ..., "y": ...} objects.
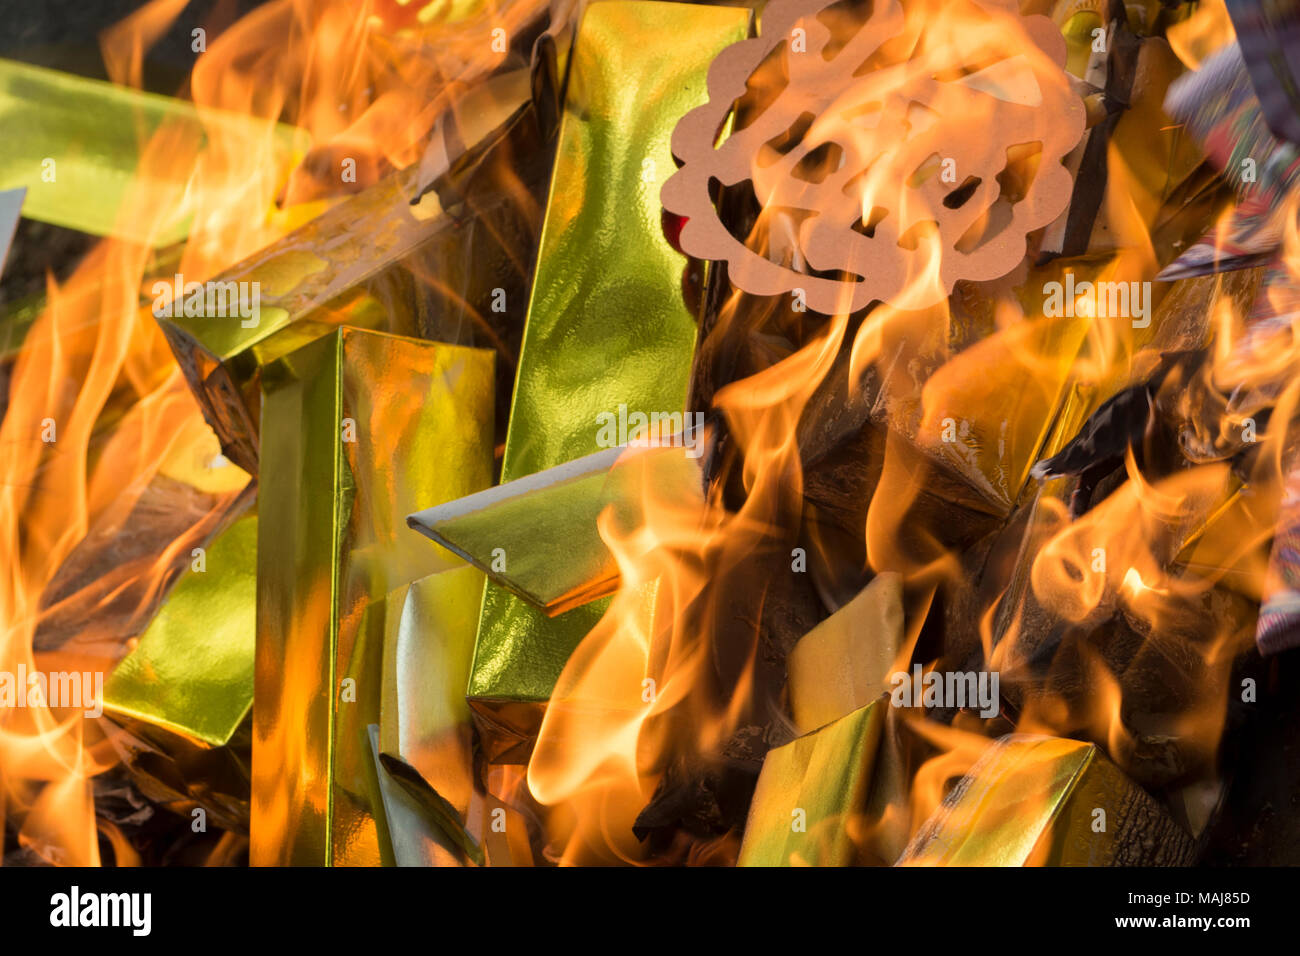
[{"x": 633, "y": 432}]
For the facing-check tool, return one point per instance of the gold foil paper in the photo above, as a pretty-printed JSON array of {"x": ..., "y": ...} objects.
[
  {"x": 1232, "y": 546},
  {"x": 607, "y": 323},
  {"x": 844, "y": 662},
  {"x": 808, "y": 792},
  {"x": 192, "y": 672},
  {"x": 340, "y": 269},
  {"x": 987, "y": 433},
  {"x": 308, "y": 282},
  {"x": 358, "y": 429},
  {"x": 77, "y": 144},
  {"x": 1047, "y": 801},
  {"x": 510, "y": 531}
]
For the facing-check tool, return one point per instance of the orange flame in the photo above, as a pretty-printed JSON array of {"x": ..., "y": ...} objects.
[{"x": 604, "y": 748}]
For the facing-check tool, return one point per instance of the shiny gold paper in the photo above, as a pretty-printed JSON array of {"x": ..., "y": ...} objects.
[
  {"x": 808, "y": 792},
  {"x": 1232, "y": 546},
  {"x": 358, "y": 429},
  {"x": 307, "y": 282},
  {"x": 607, "y": 323},
  {"x": 989, "y": 434},
  {"x": 340, "y": 269},
  {"x": 192, "y": 672},
  {"x": 510, "y": 531},
  {"x": 1047, "y": 801},
  {"x": 77, "y": 143},
  {"x": 844, "y": 662}
]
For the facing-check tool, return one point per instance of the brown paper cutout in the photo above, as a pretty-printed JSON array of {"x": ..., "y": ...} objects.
[{"x": 827, "y": 143}]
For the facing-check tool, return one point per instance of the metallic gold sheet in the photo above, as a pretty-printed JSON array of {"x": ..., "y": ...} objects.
[
  {"x": 1232, "y": 546},
  {"x": 341, "y": 268},
  {"x": 844, "y": 662},
  {"x": 308, "y": 282},
  {"x": 192, "y": 672},
  {"x": 94, "y": 134},
  {"x": 808, "y": 792},
  {"x": 358, "y": 429},
  {"x": 509, "y": 531},
  {"x": 607, "y": 323},
  {"x": 1047, "y": 801},
  {"x": 989, "y": 434}
]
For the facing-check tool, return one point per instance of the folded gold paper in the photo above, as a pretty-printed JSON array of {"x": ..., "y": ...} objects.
[
  {"x": 988, "y": 434},
  {"x": 1047, "y": 801},
  {"x": 77, "y": 144},
  {"x": 178, "y": 705},
  {"x": 341, "y": 268},
  {"x": 292, "y": 292},
  {"x": 1232, "y": 546},
  {"x": 607, "y": 323},
  {"x": 844, "y": 662},
  {"x": 509, "y": 531},
  {"x": 192, "y": 671},
  {"x": 809, "y": 792},
  {"x": 358, "y": 429}
]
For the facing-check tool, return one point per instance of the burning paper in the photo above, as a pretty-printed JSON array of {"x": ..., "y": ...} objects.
[
  {"x": 1042, "y": 801},
  {"x": 192, "y": 672},
  {"x": 331, "y": 547},
  {"x": 606, "y": 322},
  {"x": 508, "y": 531},
  {"x": 848, "y": 494},
  {"x": 809, "y": 792},
  {"x": 77, "y": 144},
  {"x": 844, "y": 662}
]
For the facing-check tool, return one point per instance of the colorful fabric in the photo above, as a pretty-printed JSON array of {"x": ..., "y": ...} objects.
[
  {"x": 1269, "y": 36},
  {"x": 1248, "y": 237},
  {"x": 1217, "y": 104}
]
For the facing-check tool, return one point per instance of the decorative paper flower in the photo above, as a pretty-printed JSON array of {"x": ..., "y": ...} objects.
[{"x": 893, "y": 152}]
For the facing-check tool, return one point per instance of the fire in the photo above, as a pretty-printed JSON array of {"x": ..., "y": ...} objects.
[
  {"x": 604, "y": 746},
  {"x": 954, "y": 369},
  {"x": 603, "y": 750}
]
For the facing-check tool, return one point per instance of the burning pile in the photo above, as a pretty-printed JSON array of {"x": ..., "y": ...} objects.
[{"x": 628, "y": 431}]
